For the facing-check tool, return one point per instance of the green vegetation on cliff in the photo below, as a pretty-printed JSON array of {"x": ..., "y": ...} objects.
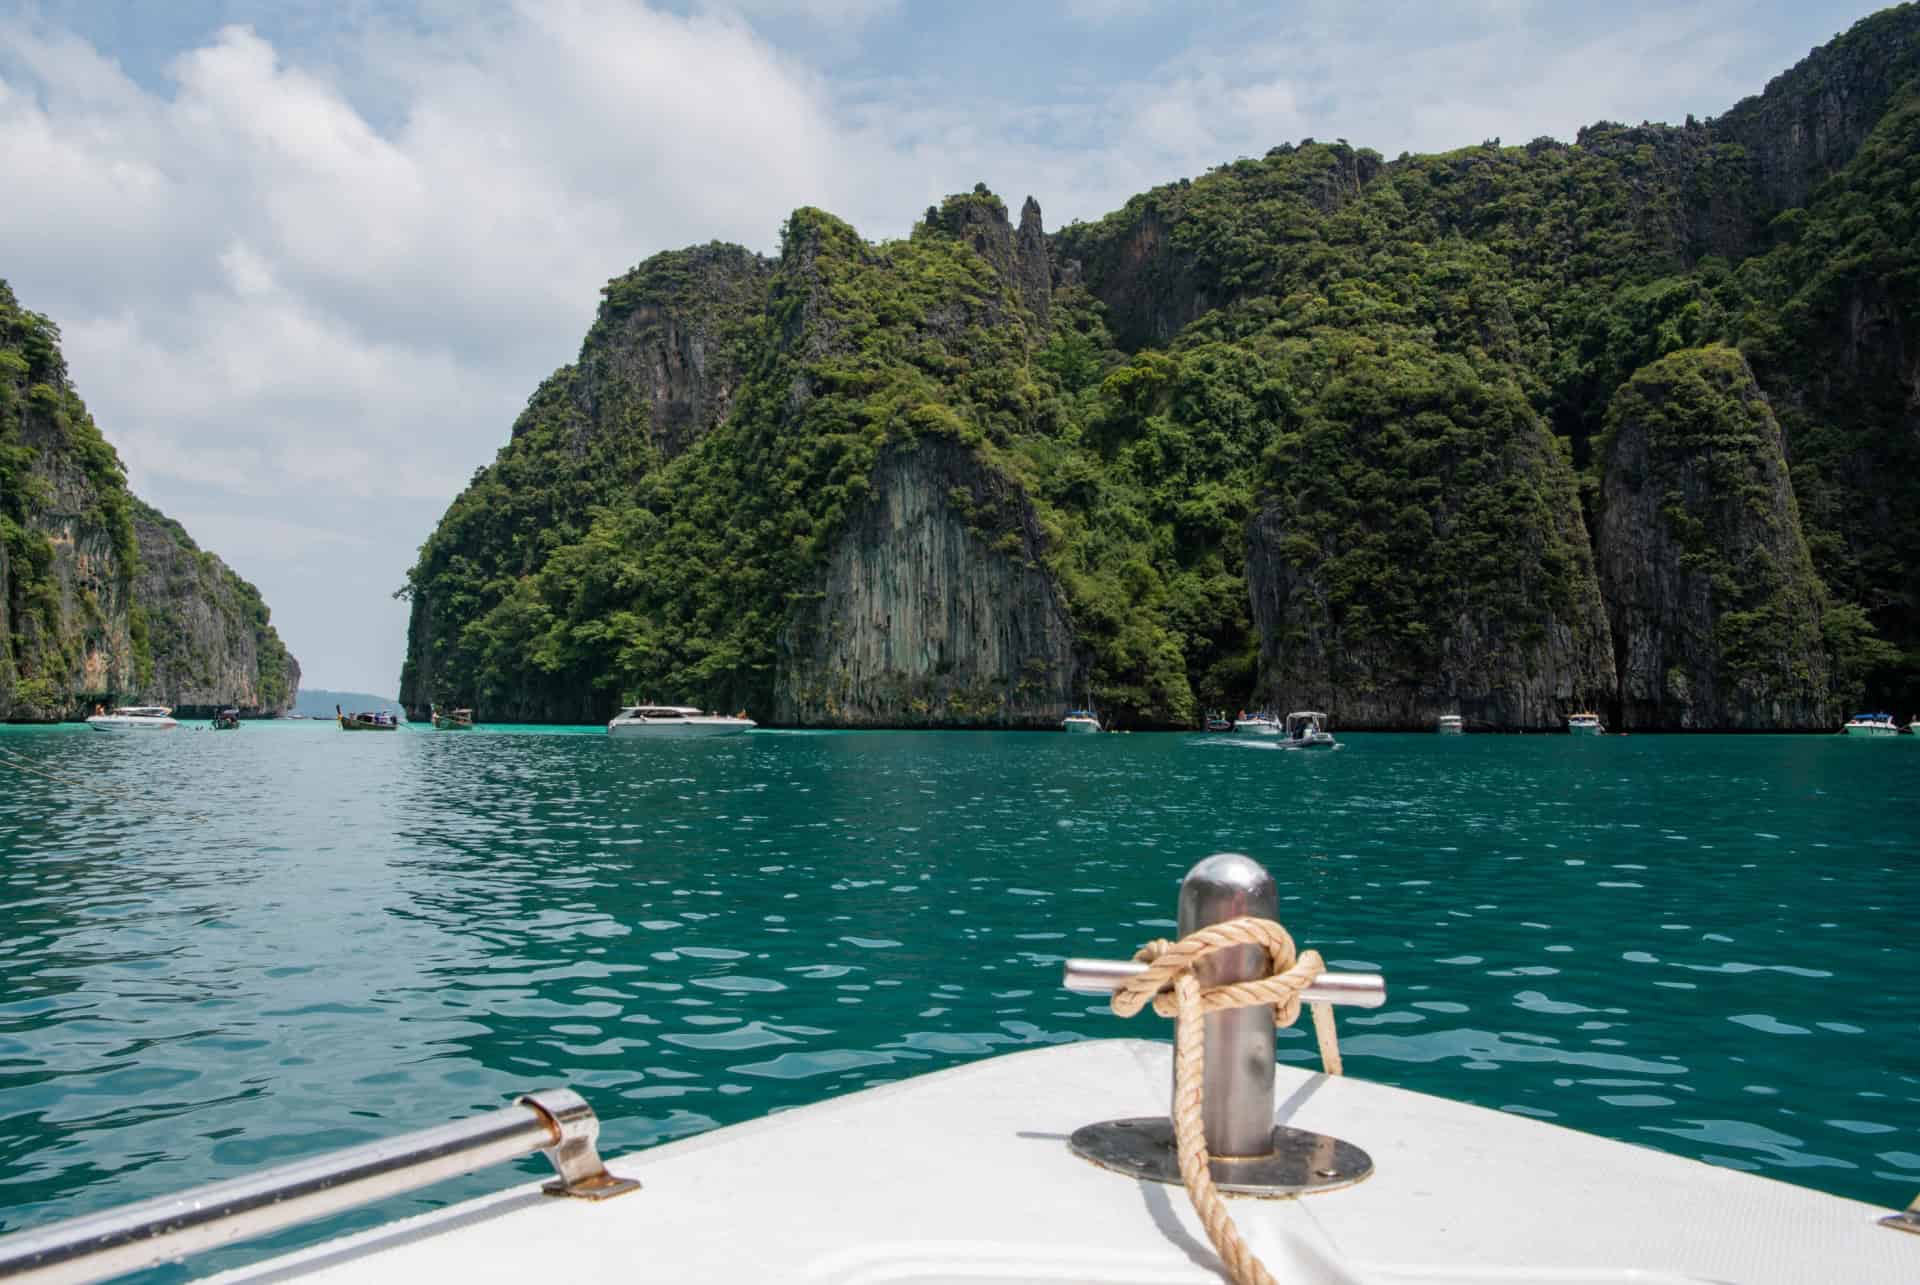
[
  {"x": 80, "y": 619},
  {"x": 1400, "y": 371}
]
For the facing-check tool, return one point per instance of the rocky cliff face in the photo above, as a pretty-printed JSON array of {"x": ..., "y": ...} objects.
[
  {"x": 1470, "y": 591},
  {"x": 79, "y": 593},
  {"x": 1156, "y": 277},
  {"x": 664, "y": 355},
  {"x": 933, "y": 610},
  {"x": 1715, "y": 608},
  {"x": 209, "y": 632},
  {"x": 1308, "y": 429},
  {"x": 1811, "y": 119},
  {"x": 658, "y": 370}
]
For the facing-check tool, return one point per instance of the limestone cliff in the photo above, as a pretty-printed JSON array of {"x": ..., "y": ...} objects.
[
  {"x": 1715, "y": 608},
  {"x": 79, "y": 596},
  {"x": 210, "y": 634},
  {"x": 1468, "y": 589},
  {"x": 933, "y": 610},
  {"x": 657, "y": 371},
  {"x": 1311, "y": 428},
  {"x": 1157, "y": 271}
]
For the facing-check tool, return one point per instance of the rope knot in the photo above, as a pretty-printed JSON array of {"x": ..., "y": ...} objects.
[
  {"x": 1170, "y": 983},
  {"x": 1289, "y": 972}
]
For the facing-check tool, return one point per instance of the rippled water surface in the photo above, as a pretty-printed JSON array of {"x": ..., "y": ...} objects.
[{"x": 223, "y": 951}]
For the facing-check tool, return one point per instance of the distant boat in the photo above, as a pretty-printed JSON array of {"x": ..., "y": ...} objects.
[
  {"x": 1261, "y": 724},
  {"x": 1307, "y": 730},
  {"x": 372, "y": 721},
  {"x": 1871, "y": 725},
  {"x": 227, "y": 720},
  {"x": 1080, "y": 722},
  {"x": 1450, "y": 725},
  {"x": 672, "y": 722},
  {"x": 134, "y": 718},
  {"x": 453, "y": 720},
  {"x": 1219, "y": 722},
  {"x": 1584, "y": 724}
]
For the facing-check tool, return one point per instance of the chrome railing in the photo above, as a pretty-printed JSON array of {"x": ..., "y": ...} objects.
[{"x": 557, "y": 1122}]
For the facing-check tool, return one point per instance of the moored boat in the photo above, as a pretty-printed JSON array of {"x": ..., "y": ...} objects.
[
  {"x": 1306, "y": 729},
  {"x": 227, "y": 720},
  {"x": 133, "y": 718},
  {"x": 1450, "y": 725},
  {"x": 1219, "y": 722},
  {"x": 673, "y": 722},
  {"x": 452, "y": 720},
  {"x": 1584, "y": 724},
  {"x": 1871, "y": 725},
  {"x": 1260, "y": 724},
  {"x": 1080, "y": 722},
  {"x": 370, "y": 721}
]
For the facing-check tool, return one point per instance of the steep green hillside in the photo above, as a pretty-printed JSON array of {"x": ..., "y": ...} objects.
[
  {"x": 1317, "y": 427},
  {"x": 103, "y": 598}
]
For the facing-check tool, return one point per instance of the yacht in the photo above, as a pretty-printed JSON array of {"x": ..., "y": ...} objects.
[
  {"x": 1871, "y": 725},
  {"x": 1585, "y": 724},
  {"x": 670, "y": 722},
  {"x": 1261, "y": 724},
  {"x": 1450, "y": 725},
  {"x": 135, "y": 718},
  {"x": 1080, "y": 722},
  {"x": 1307, "y": 730},
  {"x": 1056, "y": 1164}
]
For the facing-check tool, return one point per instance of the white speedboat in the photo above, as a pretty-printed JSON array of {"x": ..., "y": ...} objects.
[
  {"x": 1306, "y": 729},
  {"x": 1871, "y": 725},
  {"x": 1586, "y": 724},
  {"x": 1045, "y": 1165},
  {"x": 1450, "y": 725},
  {"x": 669, "y": 722},
  {"x": 1261, "y": 724},
  {"x": 135, "y": 718},
  {"x": 1080, "y": 722}
]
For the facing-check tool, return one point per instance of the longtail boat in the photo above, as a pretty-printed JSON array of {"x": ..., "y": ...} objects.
[
  {"x": 375, "y": 721},
  {"x": 454, "y": 720}
]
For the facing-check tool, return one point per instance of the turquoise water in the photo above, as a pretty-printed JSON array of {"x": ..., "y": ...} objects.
[{"x": 222, "y": 951}]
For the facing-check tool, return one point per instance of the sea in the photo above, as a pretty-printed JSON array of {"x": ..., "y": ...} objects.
[{"x": 222, "y": 951}]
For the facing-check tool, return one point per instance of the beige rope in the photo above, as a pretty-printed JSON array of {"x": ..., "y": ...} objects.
[{"x": 1171, "y": 965}]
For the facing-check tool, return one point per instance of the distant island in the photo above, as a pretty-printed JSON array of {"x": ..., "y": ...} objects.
[
  {"x": 1626, "y": 424},
  {"x": 318, "y": 702}
]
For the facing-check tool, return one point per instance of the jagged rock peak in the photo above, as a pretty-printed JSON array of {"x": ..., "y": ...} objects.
[{"x": 1021, "y": 259}]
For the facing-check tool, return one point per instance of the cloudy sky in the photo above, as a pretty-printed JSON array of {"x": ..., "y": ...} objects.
[{"x": 311, "y": 257}]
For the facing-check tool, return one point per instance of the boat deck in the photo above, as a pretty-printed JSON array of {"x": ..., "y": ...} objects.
[{"x": 964, "y": 1175}]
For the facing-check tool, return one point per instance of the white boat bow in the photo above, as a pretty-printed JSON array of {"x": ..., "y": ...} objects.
[{"x": 965, "y": 1175}]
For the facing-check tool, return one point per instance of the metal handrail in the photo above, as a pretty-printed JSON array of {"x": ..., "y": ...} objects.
[{"x": 93, "y": 1247}]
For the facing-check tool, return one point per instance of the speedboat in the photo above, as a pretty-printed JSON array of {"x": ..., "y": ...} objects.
[
  {"x": 1261, "y": 724},
  {"x": 135, "y": 718},
  {"x": 1450, "y": 725},
  {"x": 1584, "y": 724},
  {"x": 1080, "y": 722},
  {"x": 1871, "y": 725},
  {"x": 668, "y": 722},
  {"x": 1307, "y": 730},
  {"x": 1053, "y": 1164}
]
